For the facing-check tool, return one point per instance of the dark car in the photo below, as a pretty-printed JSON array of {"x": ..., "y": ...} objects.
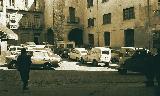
[
  {"x": 134, "y": 63},
  {"x": 63, "y": 52}
]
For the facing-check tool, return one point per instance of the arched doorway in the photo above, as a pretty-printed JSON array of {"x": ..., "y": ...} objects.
[
  {"x": 50, "y": 36},
  {"x": 76, "y": 35}
]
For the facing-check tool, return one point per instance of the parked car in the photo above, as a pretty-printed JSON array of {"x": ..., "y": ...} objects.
[
  {"x": 15, "y": 49},
  {"x": 40, "y": 59},
  {"x": 133, "y": 63},
  {"x": 77, "y": 53},
  {"x": 62, "y": 52},
  {"x": 97, "y": 55},
  {"x": 115, "y": 55}
]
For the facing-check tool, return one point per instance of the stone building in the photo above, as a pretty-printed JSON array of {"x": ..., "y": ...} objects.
[
  {"x": 64, "y": 20},
  {"x": 25, "y": 17},
  {"x": 117, "y": 23},
  {"x": 113, "y": 23},
  {"x": 6, "y": 34}
]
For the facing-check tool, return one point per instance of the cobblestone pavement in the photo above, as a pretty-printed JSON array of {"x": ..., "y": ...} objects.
[{"x": 72, "y": 79}]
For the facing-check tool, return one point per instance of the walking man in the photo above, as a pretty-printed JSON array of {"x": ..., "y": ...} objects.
[{"x": 23, "y": 66}]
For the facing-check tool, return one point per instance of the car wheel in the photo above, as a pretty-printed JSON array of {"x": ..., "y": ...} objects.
[
  {"x": 122, "y": 71},
  {"x": 12, "y": 65},
  {"x": 95, "y": 62},
  {"x": 82, "y": 61},
  {"x": 106, "y": 64},
  {"x": 47, "y": 66}
]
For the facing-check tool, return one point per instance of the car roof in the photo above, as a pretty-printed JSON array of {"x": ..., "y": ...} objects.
[
  {"x": 103, "y": 48},
  {"x": 15, "y": 47}
]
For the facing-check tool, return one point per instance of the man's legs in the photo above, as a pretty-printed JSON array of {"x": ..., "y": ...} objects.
[
  {"x": 24, "y": 77},
  {"x": 150, "y": 79}
]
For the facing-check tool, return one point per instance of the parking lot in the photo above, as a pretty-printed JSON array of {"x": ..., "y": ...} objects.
[{"x": 71, "y": 65}]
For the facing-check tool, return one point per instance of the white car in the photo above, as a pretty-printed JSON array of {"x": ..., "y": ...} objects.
[
  {"x": 40, "y": 59},
  {"x": 77, "y": 53},
  {"x": 97, "y": 55},
  {"x": 15, "y": 49}
]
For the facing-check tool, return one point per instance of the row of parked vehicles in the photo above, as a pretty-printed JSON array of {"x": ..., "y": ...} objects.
[
  {"x": 95, "y": 55},
  {"x": 45, "y": 57},
  {"x": 125, "y": 58},
  {"x": 41, "y": 56}
]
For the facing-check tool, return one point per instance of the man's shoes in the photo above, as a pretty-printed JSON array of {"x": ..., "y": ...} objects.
[
  {"x": 150, "y": 84},
  {"x": 25, "y": 88}
]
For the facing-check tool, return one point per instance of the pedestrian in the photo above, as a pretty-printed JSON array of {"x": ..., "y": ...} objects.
[
  {"x": 157, "y": 67},
  {"x": 23, "y": 66},
  {"x": 149, "y": 69}
]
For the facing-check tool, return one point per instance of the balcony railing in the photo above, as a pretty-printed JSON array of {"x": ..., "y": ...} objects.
[
  {"x": 31, "y": 27},
  {"x": 73, "y": 20}
]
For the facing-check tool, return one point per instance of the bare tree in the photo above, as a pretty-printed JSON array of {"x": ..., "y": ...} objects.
[{"x": 58, "y": 18}]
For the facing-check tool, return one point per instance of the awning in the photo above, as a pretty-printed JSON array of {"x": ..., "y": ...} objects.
[{"x": 9, "y": 32}]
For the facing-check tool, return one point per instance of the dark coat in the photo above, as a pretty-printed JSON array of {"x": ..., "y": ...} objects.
[
  {"x": 157, "y": 63},
  {"x": 24, "y": 62}
]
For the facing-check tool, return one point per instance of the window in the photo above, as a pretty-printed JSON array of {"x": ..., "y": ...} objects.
[
  {"x": 90, "y": 22},
  {"x": 107, "y": 18},
  {"x": 104, "y": 1},
  {"x": 89, "y": 3},
  {"x": 91, "y": 40},
  {"x": 128, "y": 13},
  {"x": 26, "y": 3},
  {"x": 105, "y": 52},
  {"x": 36, "y": 21},
  {"x": 107, "y": 38},
  {"x": 12, "y": 2},
  {"x": 72, "y": 14},
  {"x": 129, "y": 38}
]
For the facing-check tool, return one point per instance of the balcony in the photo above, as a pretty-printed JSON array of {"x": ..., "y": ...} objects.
[
  {"x": 73, "y": 20},
  {"x": 36, "y": 27}
]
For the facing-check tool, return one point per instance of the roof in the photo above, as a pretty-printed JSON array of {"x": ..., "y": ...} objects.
[{"x": 9, "y": 32}]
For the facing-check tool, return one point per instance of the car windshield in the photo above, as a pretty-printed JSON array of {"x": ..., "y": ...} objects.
[
  {"x": 19, "y": 48},
  {"x": 12, "y": 49},
  {"x": 105, "y": 52},
  {"x": 38, "y": 54}
]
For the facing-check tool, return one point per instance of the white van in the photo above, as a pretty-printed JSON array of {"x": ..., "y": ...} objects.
[
  {"x": 97, "y": 55},
  {"x": 77, "y": 53}
]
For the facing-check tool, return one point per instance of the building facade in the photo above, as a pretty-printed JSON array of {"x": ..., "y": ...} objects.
[
  {"x": 25, "y": 17},
  {"x": 113, "y": 23},
  {"x": 64, "y": 21},
  {"x": 118, "y": 23}
]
